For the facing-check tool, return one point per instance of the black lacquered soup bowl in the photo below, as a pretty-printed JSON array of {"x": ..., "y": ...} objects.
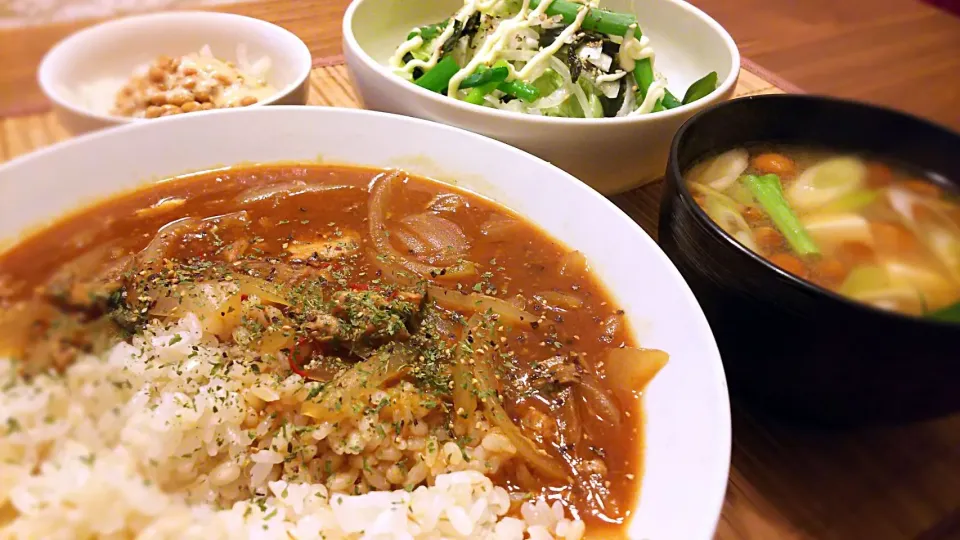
[{"x": 788, "y": 346}]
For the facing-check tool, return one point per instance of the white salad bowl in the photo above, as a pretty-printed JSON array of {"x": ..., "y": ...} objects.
[
  {"x": 687, "y": 421},
  {"x": 103, "y": 57},
  {"x": 610, "y": 154}
]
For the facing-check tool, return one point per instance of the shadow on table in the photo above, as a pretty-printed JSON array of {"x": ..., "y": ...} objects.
[{"x": 877, "y": 484}]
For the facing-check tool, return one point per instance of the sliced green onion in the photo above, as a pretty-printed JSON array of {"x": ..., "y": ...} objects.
[
  {"x": 477, "y": 94},
  {"x": 643, "y": 73},
  {"x": 670, "y": 101},
  {"x": 437, "y": 79},
  {"x": 769, "y": 193},
  {"x": 483, "y": 75},
  {"x": 947, "y": 314},
  {"x": 520, "y": 89},
  {"x": 701, "y": 87},
  {"x": 495, "y": 76}
]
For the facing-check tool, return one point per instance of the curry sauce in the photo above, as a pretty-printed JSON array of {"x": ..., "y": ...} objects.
[{"x": 467, "y": 306}]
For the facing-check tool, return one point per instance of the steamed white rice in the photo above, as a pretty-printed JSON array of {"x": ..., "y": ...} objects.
[{"x": 154, "y": 440}]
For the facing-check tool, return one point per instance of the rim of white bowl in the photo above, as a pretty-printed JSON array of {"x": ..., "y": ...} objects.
[
  {"x": 726, "y": 85},
  {"x": 720, "y": 416},
  {"x": 46, "y": 74}
]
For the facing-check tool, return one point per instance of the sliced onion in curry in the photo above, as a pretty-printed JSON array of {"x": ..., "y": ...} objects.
[
  {"x": 518, "y": 301},
  {"x": 90, "y": 278},
  {"x": 414, "y": 244},
  {"x": 500, "y": 226},
  {"x": 464, "y": 400},
  {"x": 460, "y": 270},
  {"x": 611, "y": 325},
  {"x": 569, "y": 425},
  {"x": 216, "y": 304},
  {"x": 573, "y": 263},
  {"x": 479, "y": 303},
  {"x": 163, "y": 205},
  {"x": 388, "y": 255},
  {"x": 438, "y": 240},
  {"x": 487, "y": 389},
  {"x": 284, "y": 189},
  {"x": 633, "y": 368},
  {"x": 559, "y": 300},
  {"x": 407, "y": 403},
  {"x": 262, "y": 289},
  {"x": 161, "y": 243},
  {"x": 447, "y": 202},
  {"x": 382, "y": 187},
  {"x": 301, "y": 361},
  {"x": 391, "y": 271},
  {"x": 526, "y": 481},
  {"x": 598, "y": 403},
  {"x": 18, "y": 324},
  {"x": 275, "y": 340},
  {"x": 348, "y": 395},
  {"x": 172, "y": 232}
]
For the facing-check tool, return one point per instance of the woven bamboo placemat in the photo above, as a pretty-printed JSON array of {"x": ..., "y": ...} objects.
[
  {"x": 330, "y": 86},
  {"x": 880, "y": 484}
]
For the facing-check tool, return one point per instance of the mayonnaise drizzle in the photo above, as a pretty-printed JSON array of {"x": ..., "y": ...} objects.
[
  {"x": 633, "y": 49},
  {"x": 654, "y": 94},
  {"x": 396, "y": 61},
  {"x": 493, "y": 47},
  {"x": 406, "y": 70},
  {"x": 610, "y": 77},
  {"x": 487, "y": 53},
  {"x": 533, "y": 65}
]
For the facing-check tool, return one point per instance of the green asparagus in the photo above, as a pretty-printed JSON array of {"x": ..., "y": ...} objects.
[{"x": 437, "y": 79}]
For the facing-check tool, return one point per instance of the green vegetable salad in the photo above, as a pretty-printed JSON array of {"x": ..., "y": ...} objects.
[{"x": 545, "y": 57}]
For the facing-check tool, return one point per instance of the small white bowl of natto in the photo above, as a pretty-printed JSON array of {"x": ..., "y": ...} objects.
[{"x": 145, "y": 67}]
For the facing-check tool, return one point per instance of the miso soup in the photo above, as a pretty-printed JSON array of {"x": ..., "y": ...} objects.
[{"x": 871, "y": 231}]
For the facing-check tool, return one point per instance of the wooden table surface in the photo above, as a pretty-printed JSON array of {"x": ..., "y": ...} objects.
[
  {"x": 901, "y": 53},
  {"x": 785, "y": 482}
]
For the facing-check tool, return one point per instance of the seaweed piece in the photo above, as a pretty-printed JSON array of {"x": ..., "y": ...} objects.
[
  {"x": 573, "y": 62},
  {"x": 612, "y": 50},
  {"x": 612, "y": 105},
  {"x": 549, "y": 36},
  {"x": 586, "y": 36},
  {"x": 451, "y": 42},
  {"x": 417, "y": 72},
  {"x": 472, "y": 25}
]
